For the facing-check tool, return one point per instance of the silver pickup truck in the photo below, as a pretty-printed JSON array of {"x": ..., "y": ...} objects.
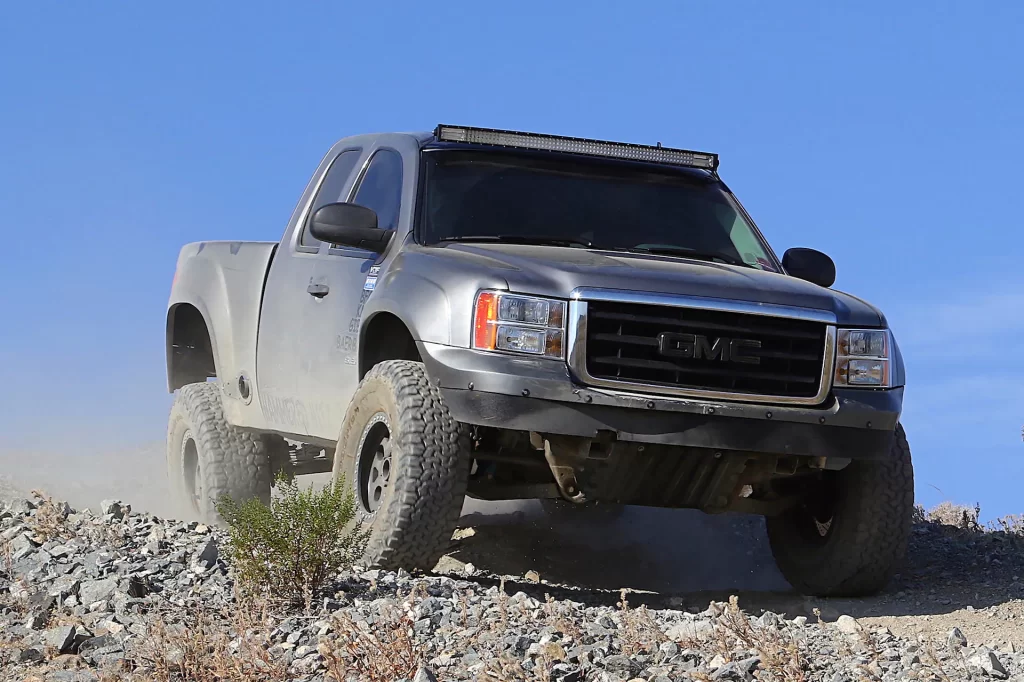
[{"x": 509, "y": 315}]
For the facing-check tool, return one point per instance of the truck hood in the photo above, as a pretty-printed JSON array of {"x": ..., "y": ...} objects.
[{"x": 556, "y": 271}]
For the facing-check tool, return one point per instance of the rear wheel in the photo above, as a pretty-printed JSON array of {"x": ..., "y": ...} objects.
[
  {"x": 850, "y": 533},
  {"x": 407, "y": 461},
  {"x": 207, "y": 458}
]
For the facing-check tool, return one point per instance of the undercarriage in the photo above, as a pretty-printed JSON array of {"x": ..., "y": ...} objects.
[{"x": 521, "y": 465}]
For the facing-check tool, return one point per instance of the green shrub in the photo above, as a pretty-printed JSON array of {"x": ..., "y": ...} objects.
[{"x": 290, "y": 549}]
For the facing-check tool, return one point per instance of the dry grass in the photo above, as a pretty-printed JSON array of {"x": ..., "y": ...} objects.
[
  {"x": 956, "y": 515},
  {"x": 7, "y": 557},
  {"x": 198, "y": 651},
  {"x": 639, "y": 633},
  {"x": 782, "y": 658},
  {"x": 16, "y": 597},
  {"x": 1012, "y": 524},
  {"x": 562, "y": 618},
  {"x": 382, "y": 653},
  {"x": 967, "y": 518},
  {"x": 50, "y": 520}
]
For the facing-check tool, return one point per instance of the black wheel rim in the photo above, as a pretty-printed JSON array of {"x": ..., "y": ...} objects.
[
  {"x": 191, "y": 473},
  {"x": 375, "y": 464}
]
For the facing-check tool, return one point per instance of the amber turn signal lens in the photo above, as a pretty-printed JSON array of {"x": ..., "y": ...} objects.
[{"x": 486, "y": 313}]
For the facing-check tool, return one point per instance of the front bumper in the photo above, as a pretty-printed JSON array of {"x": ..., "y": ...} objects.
[{"x": 534, "y": 394}]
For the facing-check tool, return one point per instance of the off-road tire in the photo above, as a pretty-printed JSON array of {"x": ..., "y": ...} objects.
[
  {"x": 231, "y": 462},
  {"x": 873, "y": 508},
  {"x": 430, "y": 454}
]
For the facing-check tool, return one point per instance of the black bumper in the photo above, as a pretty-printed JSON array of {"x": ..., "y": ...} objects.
[{"x": 529, "y": 394}]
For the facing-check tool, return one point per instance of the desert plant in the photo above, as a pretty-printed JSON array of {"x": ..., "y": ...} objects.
[
  {"x": 783, "y": 657},
  {"x": 956, "y": 515},
  {"x": 1012, "y": 524},
  {"x": 640, "y": 633},
  {"x": 50, "y": 519},
  {"x": 211, "y": 647},
  {"x": 289, "y": 549},
  {"x": 381, "y": 653}
]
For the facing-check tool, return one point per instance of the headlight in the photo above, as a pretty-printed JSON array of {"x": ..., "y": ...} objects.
[
  {"x": 519, "y": 324},
  {"x": 864, "y": 358}
]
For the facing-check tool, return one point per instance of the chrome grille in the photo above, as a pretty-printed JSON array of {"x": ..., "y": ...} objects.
[{"x": 681, "y": 348}]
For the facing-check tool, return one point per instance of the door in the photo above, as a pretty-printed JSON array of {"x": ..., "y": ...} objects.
[
  {"x": 293, "y": 294},
  {"x": 333, "y": 373}
]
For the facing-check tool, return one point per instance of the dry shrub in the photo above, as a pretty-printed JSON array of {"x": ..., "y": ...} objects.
[
  {"x": 956, "y": 515},
  {"x": 381, "y": 653},
  {"x": 782, "y": 659},
  {"x": 198, "y": 651},
  {"x": 639, "y": 633},
  {"x": 16, "y": 596},
  {"x": 561, "y": 616},
  {"x": 290, "y": 549},
  {"x": 7, "y": 557},
  {"x": 50, "y": 521},
  {"x": 1012, "y": 524}
]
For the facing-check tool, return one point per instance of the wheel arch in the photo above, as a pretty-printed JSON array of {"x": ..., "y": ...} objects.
[
  {"x": 385, "y": 336},
  {"x": 191, "y": 349}
]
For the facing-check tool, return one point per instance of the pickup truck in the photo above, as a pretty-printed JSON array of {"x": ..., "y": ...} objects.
[{"x": 509, "y": 315}]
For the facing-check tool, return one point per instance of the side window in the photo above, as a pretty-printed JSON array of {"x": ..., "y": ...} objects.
[
  {"x": 330, "y": 190},
  {"x": 381, "y": 188}
]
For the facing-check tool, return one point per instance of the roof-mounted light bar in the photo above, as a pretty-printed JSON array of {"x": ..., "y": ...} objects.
[{"x": 576, "y": 145}]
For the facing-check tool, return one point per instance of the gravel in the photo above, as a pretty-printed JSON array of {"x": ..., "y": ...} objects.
[{"x": 122, "y": 594}]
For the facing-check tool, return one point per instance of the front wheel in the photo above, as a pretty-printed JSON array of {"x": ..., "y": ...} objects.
[
  {"x": 850, "y": 534},
  {"x": 407, "y": 461}
]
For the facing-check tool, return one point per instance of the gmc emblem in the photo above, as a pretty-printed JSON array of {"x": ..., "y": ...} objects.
[{"x": 699, "y": 347}]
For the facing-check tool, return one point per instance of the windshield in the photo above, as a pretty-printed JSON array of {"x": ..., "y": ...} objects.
[{"x": 491, "y": 196}]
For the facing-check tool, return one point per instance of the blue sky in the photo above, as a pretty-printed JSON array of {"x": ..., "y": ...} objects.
[{"x": 886, "y": 134}]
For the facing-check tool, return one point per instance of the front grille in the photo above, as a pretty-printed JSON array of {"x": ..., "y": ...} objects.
[{"x": 705, "y": 350}]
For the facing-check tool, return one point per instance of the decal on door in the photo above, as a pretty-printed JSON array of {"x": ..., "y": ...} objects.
[{"x": 371, "y": 279}]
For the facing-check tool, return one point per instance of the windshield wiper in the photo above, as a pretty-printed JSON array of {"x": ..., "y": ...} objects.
[
  {"x": 690, "y": 253},
  {"x": 519, "y": 239}
]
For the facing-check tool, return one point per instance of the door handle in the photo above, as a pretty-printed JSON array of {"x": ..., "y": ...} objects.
[{"x": 317, "y": 290}]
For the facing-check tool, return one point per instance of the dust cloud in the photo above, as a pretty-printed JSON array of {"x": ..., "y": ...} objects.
[
  {"x": 85, "y": 478},
  {"x": 668, "y": 551}
]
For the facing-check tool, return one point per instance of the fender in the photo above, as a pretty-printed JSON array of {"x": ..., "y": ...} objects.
[
  {"x": 431, "y": 297},
  {"x": 224, "y": 281},
  {"x": 419, "y": 303}
]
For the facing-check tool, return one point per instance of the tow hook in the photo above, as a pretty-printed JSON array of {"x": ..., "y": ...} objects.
[{"x": 565, "y": 456}]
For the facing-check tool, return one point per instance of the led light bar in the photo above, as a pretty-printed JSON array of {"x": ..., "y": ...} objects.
[{"x": 576, "y": 145}]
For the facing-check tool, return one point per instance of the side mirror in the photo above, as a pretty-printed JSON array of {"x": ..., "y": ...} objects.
[
  {"x": 349, "y": 225},
  {"x": 811, "y": 265}
]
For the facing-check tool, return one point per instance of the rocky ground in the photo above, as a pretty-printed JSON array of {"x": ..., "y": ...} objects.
[{"x": 116, "y": 594}]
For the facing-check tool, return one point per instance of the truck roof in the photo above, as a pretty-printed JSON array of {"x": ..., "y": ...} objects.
[{"x": 445, "y": 136}]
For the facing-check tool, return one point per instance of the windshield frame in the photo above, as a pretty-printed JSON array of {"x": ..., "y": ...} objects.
[{"x": 711, "y": 176}]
